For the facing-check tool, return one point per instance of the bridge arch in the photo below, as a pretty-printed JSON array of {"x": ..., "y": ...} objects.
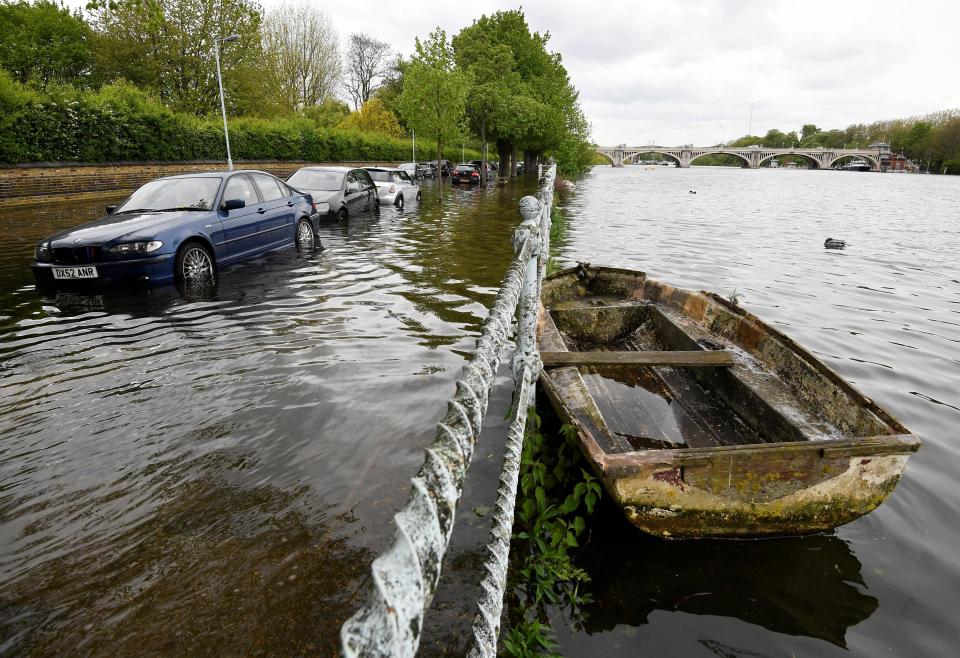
[
  {"x": 743, "y": 158},
  {"x": 606, "y": 155},
  {"x": 666, "y": 154},
  {"x": 863, "y": 156},
  {"x": 806, "y": 156}
]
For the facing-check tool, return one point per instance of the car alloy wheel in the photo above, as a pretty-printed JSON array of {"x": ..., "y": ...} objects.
[
  {"x": 304, "y": 236},
  {"x": 342, "y": 214},
  {"x": 195, "y": 265},
  {"x": 399, "y": 202}
]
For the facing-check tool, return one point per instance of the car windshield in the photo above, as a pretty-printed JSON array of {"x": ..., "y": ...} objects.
[
  {"x": 465, "y": 168},
  {"x": 174, "y": 194},
  {"x": 324, "y": 181},
  {"x": 381, "y": 176}
]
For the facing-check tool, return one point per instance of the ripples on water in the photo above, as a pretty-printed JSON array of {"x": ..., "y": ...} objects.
[
  {"x": 885, "y": 313},
  {"x": 215, "y": 476}
]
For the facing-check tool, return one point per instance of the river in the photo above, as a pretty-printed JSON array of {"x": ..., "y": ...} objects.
[
  {"x": 885, "y": 313},
  {"x": 187, "y": 476}
]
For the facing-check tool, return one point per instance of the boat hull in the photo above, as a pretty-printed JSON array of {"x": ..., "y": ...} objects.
[{"x": 777, "y": 487}]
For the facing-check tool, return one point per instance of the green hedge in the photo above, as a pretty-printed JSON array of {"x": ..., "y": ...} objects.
[{"x": 120, "y": 123}]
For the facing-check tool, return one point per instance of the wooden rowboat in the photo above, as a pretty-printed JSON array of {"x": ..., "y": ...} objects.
[{"x": 701, "y": 420}]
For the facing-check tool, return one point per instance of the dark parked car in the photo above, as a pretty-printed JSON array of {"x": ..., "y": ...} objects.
[
  {"x": 491, "y": 167},
  {"x": 339, "y": 192},
  {"x": 465, "y": 173},
  {"x": 181, "y": 228}
]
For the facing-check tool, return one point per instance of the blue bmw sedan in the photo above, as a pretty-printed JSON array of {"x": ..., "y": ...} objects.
[{"x": 181, "y": 229}]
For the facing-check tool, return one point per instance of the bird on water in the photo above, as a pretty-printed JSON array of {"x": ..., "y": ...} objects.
[{"x": 834, "y": 244}]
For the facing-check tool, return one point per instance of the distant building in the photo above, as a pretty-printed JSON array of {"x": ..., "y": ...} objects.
[{"x": 894, "y": 162}]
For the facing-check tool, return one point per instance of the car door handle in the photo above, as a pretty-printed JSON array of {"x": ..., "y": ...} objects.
[
  {"x": 289, "y": 204},
  {"x": 260, "y": 211}
]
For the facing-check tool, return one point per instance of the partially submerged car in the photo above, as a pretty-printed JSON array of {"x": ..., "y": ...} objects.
[
  {"x": 180, "y": 229},
  {"x": 394, "y": 186},
  {"x": 339, "y": 192},
  {"x": 416, "y": 171},
  {"x": 465, "y": 173}
]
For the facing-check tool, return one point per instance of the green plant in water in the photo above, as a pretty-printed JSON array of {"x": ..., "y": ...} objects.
[
  {"x": 555, "y": 497},
  {"x": 530, "y": 639}
]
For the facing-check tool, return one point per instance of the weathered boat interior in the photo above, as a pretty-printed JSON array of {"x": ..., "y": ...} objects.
[
  {"x": 701, "y": 420},
  {"x": 769, "y": 391}
]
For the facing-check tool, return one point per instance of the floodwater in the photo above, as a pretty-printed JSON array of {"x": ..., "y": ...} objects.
[
  {"x": 213, "y": 476},
  {"x": 885, "y": 313}
]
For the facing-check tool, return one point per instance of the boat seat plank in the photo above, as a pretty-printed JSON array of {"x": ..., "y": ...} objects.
[
  {"x": 686, "y": 358},
  {"x": 569, "y": 385}
]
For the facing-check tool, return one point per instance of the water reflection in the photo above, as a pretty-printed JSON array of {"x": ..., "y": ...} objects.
[
  {"x": 204, "y": 558},
  {"x": 212, "y": 473},
  {"x": 809, "y": 586},
  {"x": 884, "y": 314}
]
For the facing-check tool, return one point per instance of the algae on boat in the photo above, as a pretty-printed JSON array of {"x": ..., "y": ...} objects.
[{"x": 773, "y": 443}]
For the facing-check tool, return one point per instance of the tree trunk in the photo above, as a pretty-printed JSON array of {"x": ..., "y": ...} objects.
[
  {"x": 483, "y": 152},
  {"x": 440, "y": 173},
  {"x": 529, "y": 162},
  {"x": 504, "y": 155},
  {"x": 513, "y": 161}
]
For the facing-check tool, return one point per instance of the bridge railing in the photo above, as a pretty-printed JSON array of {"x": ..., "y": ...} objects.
[{"x": 404, "y": 578}]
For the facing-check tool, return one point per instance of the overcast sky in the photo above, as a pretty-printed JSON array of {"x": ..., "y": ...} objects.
[{"x": 678, "y": 72}]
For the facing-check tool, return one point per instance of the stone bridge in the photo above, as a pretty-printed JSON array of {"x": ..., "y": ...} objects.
[{"x": 752, "y": 156}]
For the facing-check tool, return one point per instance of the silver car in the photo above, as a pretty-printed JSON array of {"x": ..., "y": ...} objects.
[
  {"x": 339, "y": 192},
  {"x": 394, "y": 186}
]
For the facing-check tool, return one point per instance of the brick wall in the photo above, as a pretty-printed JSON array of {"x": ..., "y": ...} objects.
[{"x": 37, "y": 183}]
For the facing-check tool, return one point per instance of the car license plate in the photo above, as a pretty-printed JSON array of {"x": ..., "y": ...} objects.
[{"x": 88, "y": 272}]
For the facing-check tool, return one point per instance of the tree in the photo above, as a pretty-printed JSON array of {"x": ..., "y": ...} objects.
[
  {"x": 434, "y": 92},
  {"x": 373, "y": 117},
  {"x": 521, "y": 96},
  {"x": 808, "y": 130},
  {"x": 167, "y": 48},
  {"x": 368, "y": 61},
  {"x": 778, "y": 139},
  {"x": 328, "y": 114},
  {"x": 493, "y": 79},
  {"x": 43, "y": 42},
  {"x": 391, "y": 86},
  {"x": 301, "y": 44}
]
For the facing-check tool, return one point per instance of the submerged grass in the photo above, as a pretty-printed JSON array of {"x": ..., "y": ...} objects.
[{"x": 556, "y": 496}]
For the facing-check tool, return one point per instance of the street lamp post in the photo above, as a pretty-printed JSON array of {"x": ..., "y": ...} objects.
[{"x": 223, "y": 106}]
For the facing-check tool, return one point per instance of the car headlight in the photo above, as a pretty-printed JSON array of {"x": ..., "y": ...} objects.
[
  {"x": 42, "y": 251},
  {"x": 323, "y": 207},
  {"x": 134, "y": 248}
]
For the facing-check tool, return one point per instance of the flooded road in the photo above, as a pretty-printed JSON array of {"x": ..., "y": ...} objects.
[{"x": 214, "y": 475}]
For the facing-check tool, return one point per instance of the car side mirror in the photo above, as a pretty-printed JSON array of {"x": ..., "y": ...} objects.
[
  {"x": 353, "y": 188},
  {"x": 233, "y": 204},
  {"x": 111, "y": 209}
]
